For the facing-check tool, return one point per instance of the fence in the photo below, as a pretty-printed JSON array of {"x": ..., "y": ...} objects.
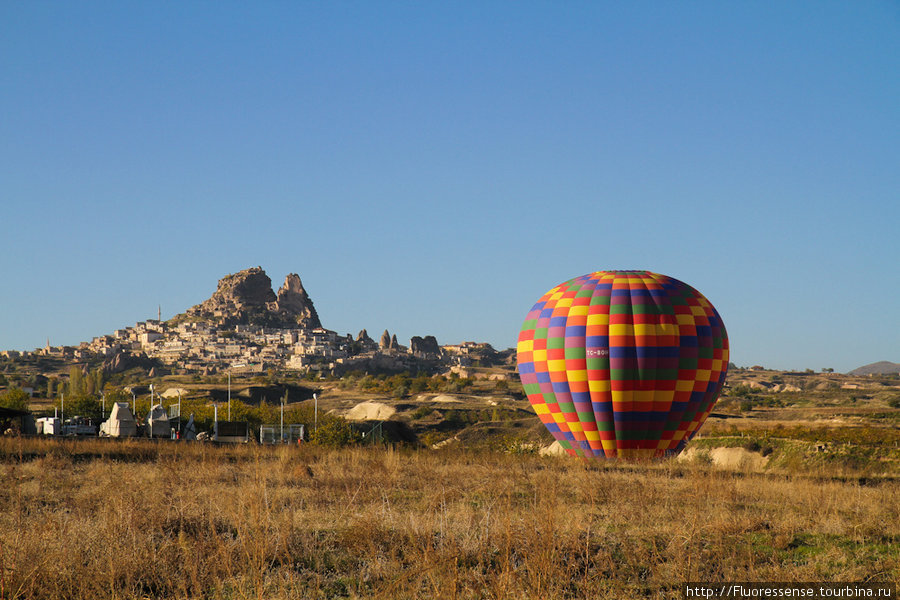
[
  {"x": 272, "y": 434},
  {"x": 374, "y": 435}
]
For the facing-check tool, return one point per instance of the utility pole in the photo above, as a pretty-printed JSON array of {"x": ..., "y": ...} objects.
[
  {"x": 150, "y": 411},
  {"x": 229, "y": 394},
  {"x": 283, "y": 402}
]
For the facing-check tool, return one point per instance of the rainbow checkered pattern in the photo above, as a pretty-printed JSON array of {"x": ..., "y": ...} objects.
[{"x": 623, "y": 364}]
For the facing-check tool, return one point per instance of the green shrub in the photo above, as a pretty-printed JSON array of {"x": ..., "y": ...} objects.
[
  {"x": 85, "y": 405},
  {"x": 422, "y": 412},
  {"x": 334, "y": 432},
  {"x": 15, "y": 399},
  {"x": 752, "y": 445},
  {"x": 518, "y": 445}
]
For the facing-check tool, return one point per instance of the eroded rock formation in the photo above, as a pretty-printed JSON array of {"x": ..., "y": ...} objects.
[
  {"x": 424, "y": 347},
  {"x": 246, "y": 297},
  {"x": 293, "y": 303}
]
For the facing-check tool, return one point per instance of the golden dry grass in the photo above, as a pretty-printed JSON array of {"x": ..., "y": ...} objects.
[{"x": 110, "y": 519}]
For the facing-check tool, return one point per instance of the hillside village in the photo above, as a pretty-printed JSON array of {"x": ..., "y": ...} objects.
[
  {"x": 204, "y": 348},
  {"x": 246, "y": 328}
]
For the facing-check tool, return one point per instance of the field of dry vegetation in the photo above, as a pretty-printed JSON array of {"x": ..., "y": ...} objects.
[{"x": 132, "y": 519}]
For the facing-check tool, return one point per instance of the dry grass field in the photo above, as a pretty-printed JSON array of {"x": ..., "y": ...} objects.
[{"x": 131, "y": 519}]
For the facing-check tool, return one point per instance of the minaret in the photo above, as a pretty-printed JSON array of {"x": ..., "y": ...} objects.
[{"x": 159, "y": 312}]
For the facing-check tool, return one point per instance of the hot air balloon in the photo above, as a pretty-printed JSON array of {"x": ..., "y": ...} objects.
[{"x": 623, "y": 364}]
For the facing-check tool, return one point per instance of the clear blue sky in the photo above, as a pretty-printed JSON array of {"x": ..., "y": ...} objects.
[{"x": 433, "y": 168}]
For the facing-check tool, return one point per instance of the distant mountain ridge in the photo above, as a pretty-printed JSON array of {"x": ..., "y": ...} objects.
[
  {"x": 246, "y": 298},
  {"x": 877, "y": 368}
]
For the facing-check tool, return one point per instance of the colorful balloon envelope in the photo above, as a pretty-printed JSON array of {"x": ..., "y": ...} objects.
[{"x": 623, "y": 364}]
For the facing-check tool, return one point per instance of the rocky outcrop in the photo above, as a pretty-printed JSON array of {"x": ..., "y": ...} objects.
[
  {"x": 385, "y": 342},
  {"x": 122, "y": 361},
  {"x": 246, "y": 297},
  {"x": 424, "y": 347},
  {"x": 293, "y": 304},
  {"x": 237, "y": 298},
  {"x": 364, "y": 343}
]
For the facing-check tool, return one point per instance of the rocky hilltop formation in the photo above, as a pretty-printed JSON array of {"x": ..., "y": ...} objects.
[
  {"x": 246, "y": 298},
  {"x": 294, "y": 305}
]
